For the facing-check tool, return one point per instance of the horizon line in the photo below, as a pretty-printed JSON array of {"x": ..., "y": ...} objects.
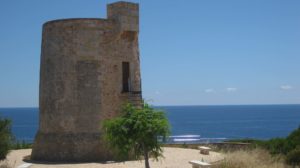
[{"x": 188, "y": 105}]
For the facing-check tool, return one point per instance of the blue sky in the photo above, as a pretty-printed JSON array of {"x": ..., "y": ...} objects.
[{"x": 193, "y": 52}]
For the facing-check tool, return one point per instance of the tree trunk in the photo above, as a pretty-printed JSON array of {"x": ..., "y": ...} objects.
[{"x": 146, "y": 157}]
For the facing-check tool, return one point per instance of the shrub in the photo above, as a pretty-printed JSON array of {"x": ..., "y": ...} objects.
[
  {"x": 281, "y": 145},
  {"x": 5, "y": 137},
  {"x": 289, "y": 146},
  {"x": 184, "y": 145},
  {"x": 276, "y": 146},
  {"x": 293, "y": 157},
  {"x": 293, "y": 139},
  {"x": 20, "y": 145}
]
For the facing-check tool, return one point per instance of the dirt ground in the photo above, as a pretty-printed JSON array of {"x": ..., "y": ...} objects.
[{"x": 173, "y": 158}]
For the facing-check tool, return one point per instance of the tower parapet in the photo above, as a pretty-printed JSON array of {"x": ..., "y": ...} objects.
[{"x": 126, "y": 14}]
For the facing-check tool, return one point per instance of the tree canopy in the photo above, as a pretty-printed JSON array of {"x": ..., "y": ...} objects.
[
  {"x": 5, "y": 137},
  {"x": 137, "y": 131}
]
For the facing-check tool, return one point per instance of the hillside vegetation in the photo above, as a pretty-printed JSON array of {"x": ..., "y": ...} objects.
[{"x": 287, "y": 148}]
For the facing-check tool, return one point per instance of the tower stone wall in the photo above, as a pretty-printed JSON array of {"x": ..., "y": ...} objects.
[{"x": 89, "y": 68}]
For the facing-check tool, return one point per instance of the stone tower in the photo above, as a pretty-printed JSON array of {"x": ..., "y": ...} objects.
[{"x": 89, "y": 68}]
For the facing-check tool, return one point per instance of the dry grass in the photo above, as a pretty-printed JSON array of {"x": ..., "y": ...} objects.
[
  {"x": 5, "y": 164},
  {"x": 256, "y": 158}
]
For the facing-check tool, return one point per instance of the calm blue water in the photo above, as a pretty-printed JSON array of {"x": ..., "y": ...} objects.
[
  {"x": 24, "y": 122},
  {"x": 196, "y": 123}
]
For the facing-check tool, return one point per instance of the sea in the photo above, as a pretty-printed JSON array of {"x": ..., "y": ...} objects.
[{"x": 194, "y": 124}]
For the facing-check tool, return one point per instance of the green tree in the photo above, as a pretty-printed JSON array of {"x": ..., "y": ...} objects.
[
  {"x": 5, "y": 137},
  {"x": 138, "y": 131}
]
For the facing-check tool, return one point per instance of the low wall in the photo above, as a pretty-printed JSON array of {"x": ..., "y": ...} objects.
[{"x": 225, "y": 146}]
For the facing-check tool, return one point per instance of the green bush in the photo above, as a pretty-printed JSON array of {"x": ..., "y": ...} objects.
[
  {"x": 289, "y": 147},
  {"x": 293, "y": 157},
  {"x": 20, "y": 145},
  {"x": 5, "y": 137},
  {"x": 137, "y": 130},
  {"x": 282, "y": 145},
  {"x": 293, "y": 139},
  {"x": 184, "y": 145},
  {"x": 276, "y": 146}
]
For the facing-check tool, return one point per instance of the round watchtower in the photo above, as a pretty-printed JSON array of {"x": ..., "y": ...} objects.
[{"x": 89, "y": 68}]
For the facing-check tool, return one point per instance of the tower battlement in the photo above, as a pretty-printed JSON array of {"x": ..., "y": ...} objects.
[{"x": 126, "y": 14}]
